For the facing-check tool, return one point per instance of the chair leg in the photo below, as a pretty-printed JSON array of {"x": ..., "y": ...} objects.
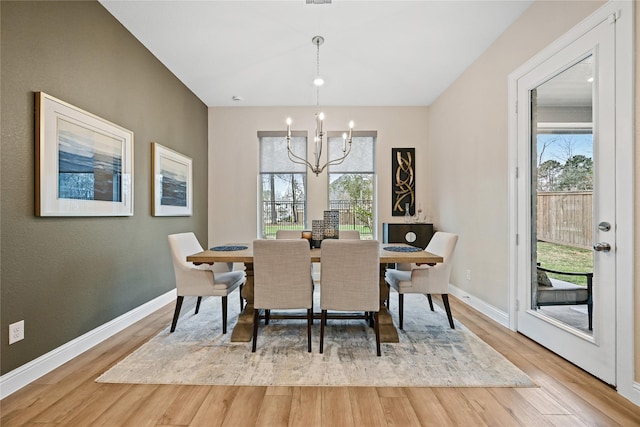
[
  {"x": 312, "y": 290},
  {"x": 224, "y": 314},
  {"x": 241, "y": 299},
  {"x": 430, "y": 302},
  {"x": 176, "y": 313},
  {"x": 590, "y": 314},
  {"x": 445, "y": 300},
  {"x": 323, "y": 322},
  {"x": 401, "y": 308},
  {"x": 256, "y": 320},
  {"x": 309, "y": 323},
  {"x": 198, "y": 304},
  {"x": 267, "y": 314},
  {"x": 377, "y": 329}
]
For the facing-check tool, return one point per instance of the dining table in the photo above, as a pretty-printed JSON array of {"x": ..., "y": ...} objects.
[{"x": 390, "y": 253}]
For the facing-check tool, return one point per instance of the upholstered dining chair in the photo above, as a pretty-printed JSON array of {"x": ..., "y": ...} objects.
[
  {"x": 350, "y": 271},
  {"x": 201, "y": 280},
  {"x": 288, "y": 234},
  {"x": 349, "y": 234},
  {"x": 281, "y": 280},
  {"x": 423, "y": 279}
]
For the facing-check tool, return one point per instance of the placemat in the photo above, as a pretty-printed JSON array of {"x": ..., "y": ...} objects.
[
  {"x": 229, "y": 248},
  {"x": 402, "y": 249}
]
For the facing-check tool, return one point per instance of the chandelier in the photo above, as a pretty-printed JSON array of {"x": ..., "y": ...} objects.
[{"x": 319, "y": 135}]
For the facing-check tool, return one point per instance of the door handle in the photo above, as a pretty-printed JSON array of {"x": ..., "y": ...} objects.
[{"x": 601, "y": 247}]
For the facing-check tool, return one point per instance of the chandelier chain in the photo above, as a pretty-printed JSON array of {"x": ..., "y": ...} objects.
[{"x": 318, "y": 41}]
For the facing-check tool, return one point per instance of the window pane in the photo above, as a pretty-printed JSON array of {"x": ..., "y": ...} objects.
[
  {"x": 283, "y": 203},
  {"x": 352, "y": 195}
]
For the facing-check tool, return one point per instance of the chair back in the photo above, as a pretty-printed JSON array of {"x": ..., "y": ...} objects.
[
  {"x": 349, "y": 234},
  {"x": 435, "y": 279},
  {"x": 183, "y": 245},
  {"x": 288, "y": 234},
  {"x": 190, "y": 280},
  {"x": 281, "y": 274},
  {"x": 350, "y": 275}
]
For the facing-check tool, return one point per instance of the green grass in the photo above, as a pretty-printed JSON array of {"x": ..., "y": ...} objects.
[{"x": 566, "y": 258}]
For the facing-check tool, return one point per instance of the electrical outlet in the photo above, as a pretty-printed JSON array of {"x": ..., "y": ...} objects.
[
  {"x": 468, "y": 274},
  {"x": 16, "y": 332}
]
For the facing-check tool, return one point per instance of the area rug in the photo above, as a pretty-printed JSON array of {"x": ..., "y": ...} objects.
[{"x": 429, "y": 354}]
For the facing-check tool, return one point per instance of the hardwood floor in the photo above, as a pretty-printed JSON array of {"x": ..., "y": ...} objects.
[{"x": 566, "y": 396}]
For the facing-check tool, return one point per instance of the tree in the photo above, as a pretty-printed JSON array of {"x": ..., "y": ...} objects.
[
  {"x": 294, "y": 192},
  {"x": 577, "y": 174},
  {"x": 352, "y": 187},
  {"x": 356, "y": 188},
  {"x": 281, "y": 188},
  {"x": 548, "y": 173}
]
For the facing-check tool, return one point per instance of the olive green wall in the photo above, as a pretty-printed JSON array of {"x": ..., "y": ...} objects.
[{"x": 67, "y": 276}]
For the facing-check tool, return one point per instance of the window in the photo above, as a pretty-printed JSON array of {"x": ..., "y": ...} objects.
[
  {"x": 283, "y": 184},
  {"x": 352, "y": 183}
]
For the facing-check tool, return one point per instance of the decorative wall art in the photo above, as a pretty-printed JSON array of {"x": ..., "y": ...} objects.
[
  {"x": 172, "y": 188},
  {"x": 403, "y": 183},
  {"x": 84, "y": 164}
]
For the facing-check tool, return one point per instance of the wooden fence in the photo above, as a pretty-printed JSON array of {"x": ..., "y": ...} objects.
[{"x": 565, "y": 218}]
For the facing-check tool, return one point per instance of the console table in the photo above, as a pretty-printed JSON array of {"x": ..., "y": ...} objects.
[{"x": 414, "y": 234}]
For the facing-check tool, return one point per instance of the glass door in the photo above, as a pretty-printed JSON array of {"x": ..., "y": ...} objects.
[
  {"x": 566, "y": 144},
  {"x": 562, "y": 197}
]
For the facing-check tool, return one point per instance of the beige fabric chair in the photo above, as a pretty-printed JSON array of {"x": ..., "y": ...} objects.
[
  {"x": 288, "y": 234},
  {"x": 200, "y": 280},
  {"x": 281, "y": 280},
  {"x": 349, "y": 234},
  {"x": 350, "y": 271},
  {"x": 425, "y": 279}
]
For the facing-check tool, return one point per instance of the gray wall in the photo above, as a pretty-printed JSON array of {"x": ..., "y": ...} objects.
[{"x": 67, "y": 276}]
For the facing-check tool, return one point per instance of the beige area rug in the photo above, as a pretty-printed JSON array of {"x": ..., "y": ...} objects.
[{"x": 429, "y": 354}]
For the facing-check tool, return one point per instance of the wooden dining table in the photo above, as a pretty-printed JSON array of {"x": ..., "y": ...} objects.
[{"x": 243, "y": 330}]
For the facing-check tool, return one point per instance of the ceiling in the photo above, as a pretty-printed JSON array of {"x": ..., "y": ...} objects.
[{"x": 376, "y": 53}]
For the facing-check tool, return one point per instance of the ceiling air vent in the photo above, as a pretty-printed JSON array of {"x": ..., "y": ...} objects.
[{"x": 318, "y": 1}]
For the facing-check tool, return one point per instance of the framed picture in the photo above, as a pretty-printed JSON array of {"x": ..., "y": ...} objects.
[
  {"x": 403, "y": 185},
  {"x": 172, "y": 188},
  {"x": 84, "y": 164}
]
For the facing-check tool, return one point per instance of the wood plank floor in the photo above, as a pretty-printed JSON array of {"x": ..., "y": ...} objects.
[{"x": 565, "y": 396}]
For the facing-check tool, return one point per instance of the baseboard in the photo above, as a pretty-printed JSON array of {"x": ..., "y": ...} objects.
[
  {"x": 29, "y": 372},
  {"x": 630, "y": 391},
  {"x": 479, "y": 305}
]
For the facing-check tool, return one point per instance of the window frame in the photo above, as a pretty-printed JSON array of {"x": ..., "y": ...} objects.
[{"x": 301, "y": 138}]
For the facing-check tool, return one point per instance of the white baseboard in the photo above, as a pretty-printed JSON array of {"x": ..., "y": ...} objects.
[
  {"x": 479, "y": 305},
  {"x": 634, "y": 394},
  {"x": 29, "y": 372}
]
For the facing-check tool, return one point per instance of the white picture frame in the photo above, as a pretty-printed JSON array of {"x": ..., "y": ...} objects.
[
  {"x": 84, "y": 164},
  {"x": 172, "y": 192}
]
